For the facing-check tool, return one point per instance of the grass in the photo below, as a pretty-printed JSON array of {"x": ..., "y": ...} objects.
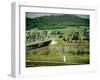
[
  {"x": 79, "y": 59},
  {"x": 46, "y": 56},
  {"x": 70, "y": 58},
  {"x": 54, "y": 54}
]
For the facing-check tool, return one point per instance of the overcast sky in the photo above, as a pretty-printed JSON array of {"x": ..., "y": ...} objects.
[{"x": 34, "y": 14}]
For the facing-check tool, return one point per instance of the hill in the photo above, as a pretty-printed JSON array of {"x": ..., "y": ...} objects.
[{"x": 55, "y": 22}]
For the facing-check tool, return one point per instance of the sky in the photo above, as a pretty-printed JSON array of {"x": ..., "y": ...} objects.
[{"x": 38, "y": 14}]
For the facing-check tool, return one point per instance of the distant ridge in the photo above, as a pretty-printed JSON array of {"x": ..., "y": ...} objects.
[{"x": 55, "y": 22}]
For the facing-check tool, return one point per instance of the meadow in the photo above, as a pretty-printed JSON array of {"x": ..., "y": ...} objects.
[{"x": 74, "y": 51}]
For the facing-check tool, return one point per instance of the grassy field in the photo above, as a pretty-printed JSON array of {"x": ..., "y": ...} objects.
[
  {"x": 70, "y": 58},
  {"x": 76, "y": 52},
  {"x": 56, "y": 54}
]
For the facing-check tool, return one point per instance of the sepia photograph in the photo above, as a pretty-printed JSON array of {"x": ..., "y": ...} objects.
[{"x": 56, "y": 39}]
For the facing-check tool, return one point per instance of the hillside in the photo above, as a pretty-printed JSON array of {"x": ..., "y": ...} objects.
[{"x": 55, "y": 22}]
